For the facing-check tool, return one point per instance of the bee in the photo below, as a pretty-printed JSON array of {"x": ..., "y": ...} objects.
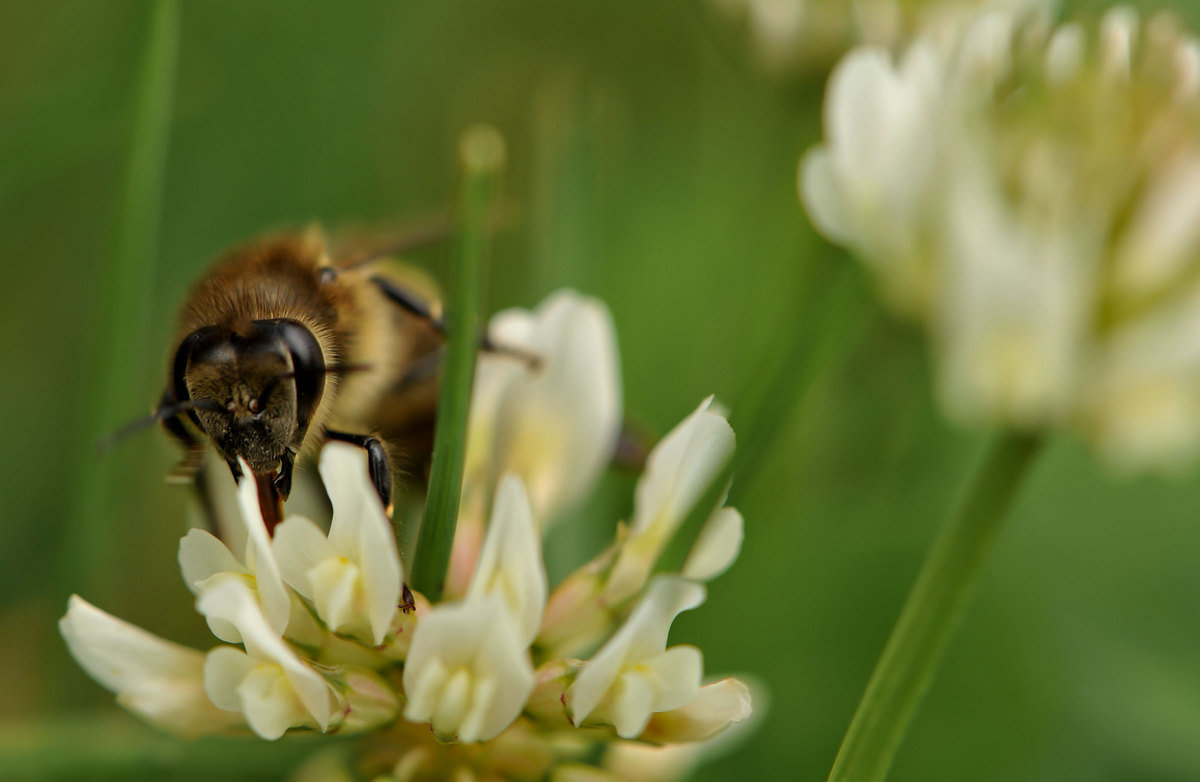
[{"x": 280, "y": 349}]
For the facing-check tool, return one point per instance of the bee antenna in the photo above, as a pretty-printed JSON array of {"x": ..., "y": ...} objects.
[{"x": 163, "y": 413}]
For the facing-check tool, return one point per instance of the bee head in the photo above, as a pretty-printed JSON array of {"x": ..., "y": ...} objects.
[{"x": 259, "y": 385}]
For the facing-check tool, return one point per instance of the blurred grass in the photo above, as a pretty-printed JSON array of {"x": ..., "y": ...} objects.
[
  {"x": 653, "y": 168},
  {"x": 114, "y": 370}
]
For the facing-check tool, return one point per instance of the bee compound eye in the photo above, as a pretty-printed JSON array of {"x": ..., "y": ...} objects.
[{"x": 308, "y": 364}]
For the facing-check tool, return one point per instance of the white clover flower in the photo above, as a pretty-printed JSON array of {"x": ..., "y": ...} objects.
[
  {"x": 555, "y": 424},
  {"x": 1015, "y": 303},
  {"x": 202, "y": 556},
  {"x": 869, "y": 186},
  {"x": 678, "y": 471},
  {"x": 468, "y": 671},
  {"x": 268, "y": 683},
  {"x": 330, "y": 641},
  {"x": 159, "y": 680},
  {"x": 510, "y": 564},
  {"x": 353, "y": 576},
  {"x": 635, "y": 675},
  {"x": 716, "y": 707},
  {"x": 1054, "y": 194}
]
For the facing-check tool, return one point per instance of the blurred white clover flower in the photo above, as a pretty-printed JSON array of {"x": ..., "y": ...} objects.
[
  {"x": 1031, "y": 195},
  {"x": 802, "y": 36},
  {"x": 557, "y": 427},
  {"x": 321, "y": 634}
]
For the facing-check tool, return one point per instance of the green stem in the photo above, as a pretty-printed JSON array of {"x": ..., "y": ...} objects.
[
  {"x": 930, "y": 613},
  {"x": 115, "y": 374},
  {"x": 482, "y": 151}
]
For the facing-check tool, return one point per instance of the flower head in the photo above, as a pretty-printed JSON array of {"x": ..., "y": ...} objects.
[
  {"x": 1038, "y": 216},
  {"x": 320, "y": 633}
]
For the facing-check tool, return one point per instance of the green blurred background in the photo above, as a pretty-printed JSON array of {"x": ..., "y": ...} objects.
[{"x": 652, "y": 165}]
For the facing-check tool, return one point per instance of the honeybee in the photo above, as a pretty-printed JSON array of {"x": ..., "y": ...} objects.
[{"x": 281, "y": 349}]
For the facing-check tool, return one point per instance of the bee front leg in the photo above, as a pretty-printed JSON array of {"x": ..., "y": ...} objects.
[
  {"x": 283, "y": 481},
  {"x": 193, "y": 448},
  {"x": 377, "y": 463},
  {"x": 191, "y": 469}
]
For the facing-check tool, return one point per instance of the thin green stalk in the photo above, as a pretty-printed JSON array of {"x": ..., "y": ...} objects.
[
  {"x": 482, "y": 151},
  {"x": 115, "y": 375},
  {"x": 930, "y": 613}
]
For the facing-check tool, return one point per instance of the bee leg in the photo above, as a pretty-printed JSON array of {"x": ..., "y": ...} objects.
[
  {"x": 377, "y": 463},
  {"x": 411, "y": 303},
  {"x": 193, "y": 448},
  {"x": 415, "y": 305},
  {"x": 283, "y": 481},
  {"x": 191, "y": 469}
]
